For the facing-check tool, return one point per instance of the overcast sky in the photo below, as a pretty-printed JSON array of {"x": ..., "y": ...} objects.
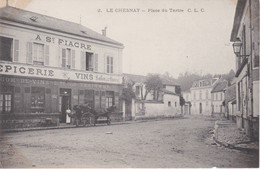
[{"x": 155, "y": 42}]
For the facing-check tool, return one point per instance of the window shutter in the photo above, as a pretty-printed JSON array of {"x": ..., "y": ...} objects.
[
  {"x": 60, "y": 57},
  {"x": 83, "y": 60},
  {"x": 73, "y": 59},
  {"x": 47, "y": 52},
  {"x": 16, "y": 50},
  {"x": 29, "y": 52},
  {"x": 69, "y": 57},
  {"x": 111, "y": 64},
  {"x": 107, "y": 64},
  {"x": 63, "y": 58},
  {"x": 96, "y": 62}
]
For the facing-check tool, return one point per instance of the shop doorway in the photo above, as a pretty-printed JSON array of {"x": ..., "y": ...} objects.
[{"x": 64, "y": 104}]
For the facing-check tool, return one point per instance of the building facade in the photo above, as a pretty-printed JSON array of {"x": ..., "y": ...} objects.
[
  {"x": 246, "y": 30},
  {"x": 218, "y": 97},
  {"x": 47, "y": 65},
  {"x": 201, "y": 100}
]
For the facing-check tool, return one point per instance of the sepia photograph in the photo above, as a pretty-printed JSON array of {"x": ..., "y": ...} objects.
[{"x": 129, "y": 83}]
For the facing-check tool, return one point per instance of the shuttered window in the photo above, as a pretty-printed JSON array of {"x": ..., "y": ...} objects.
[
  {"x": 38, "y": 54},
  {"x": 66, "y": 58},
  {"x": 96, "y": 62},
  {"x": 29, "y": 53},
  {"x": 47, "y": 53},
  {"x": 16, "y": 50},
  {"x": 110, "y": 64}
]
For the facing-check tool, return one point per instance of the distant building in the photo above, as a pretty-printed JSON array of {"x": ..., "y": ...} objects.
[
  {"x": 168, "y": 103},
  {"x": 201, "y": 96},
  {"x": 218, "y": 96},
  {"x": 230, "y": 102},
  {"x": 245, "y": 34}
]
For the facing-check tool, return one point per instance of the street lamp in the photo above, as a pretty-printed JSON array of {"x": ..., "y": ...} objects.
[{"x": 237, "y": 46}]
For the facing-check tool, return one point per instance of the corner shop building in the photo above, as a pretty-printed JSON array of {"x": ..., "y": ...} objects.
[{"x": 47, "y": 65}]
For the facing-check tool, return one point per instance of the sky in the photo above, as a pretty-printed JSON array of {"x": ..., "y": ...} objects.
[{"x": 172, "y": 36}]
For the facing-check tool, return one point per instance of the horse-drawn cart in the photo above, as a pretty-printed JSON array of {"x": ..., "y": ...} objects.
[{"x": 85, "y": 115}]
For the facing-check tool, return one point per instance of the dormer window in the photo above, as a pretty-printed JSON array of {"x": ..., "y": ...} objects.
[
  {"x": 84, "y": 32},
  {"x": 34, "y": 18}
]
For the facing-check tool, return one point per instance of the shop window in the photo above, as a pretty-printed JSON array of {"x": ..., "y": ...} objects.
[
  {"x": 38, "y": 54},
  {"x": 6, "y": 97},
  {"x": 87, "y": 96},
  {"x": 110, "y": 98},
  {"x": 37, "y": 99},
  {"x": 110, "y": 64},
  {"x": 6, "y": 48}
]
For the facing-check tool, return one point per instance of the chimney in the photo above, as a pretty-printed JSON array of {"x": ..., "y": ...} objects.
[{"x": 104, "y": 31}]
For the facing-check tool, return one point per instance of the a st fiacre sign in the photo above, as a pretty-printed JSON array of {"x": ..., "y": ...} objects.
[{"x": 58, "y": 74}]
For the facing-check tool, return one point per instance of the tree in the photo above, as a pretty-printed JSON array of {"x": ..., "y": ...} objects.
[
  {"x": 153, "y": 83},
  {"x": 127, "y": 93},
  {"x": 182, "y": 103}
]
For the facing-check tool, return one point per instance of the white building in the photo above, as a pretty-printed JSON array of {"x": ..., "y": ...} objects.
[
  {"x": 167, "y": 105},
  {"x": 218, "y": 97},
  {"x": 201, "y": 96}
]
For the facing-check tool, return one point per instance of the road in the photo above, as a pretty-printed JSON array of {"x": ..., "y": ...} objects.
[{"x": 163, "y": 143}]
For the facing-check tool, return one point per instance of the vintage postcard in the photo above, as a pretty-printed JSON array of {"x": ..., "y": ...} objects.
[{"x": 129, "y": 84}]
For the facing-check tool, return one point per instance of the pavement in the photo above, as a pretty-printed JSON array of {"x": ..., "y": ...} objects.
[
  {"x": 65, "y": 126},
  {"x": 228, "y": 135}
]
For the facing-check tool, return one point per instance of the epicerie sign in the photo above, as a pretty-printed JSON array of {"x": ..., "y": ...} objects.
[
  {"x": 51, "y": 73},
  {"x": 64, "y": 42}
]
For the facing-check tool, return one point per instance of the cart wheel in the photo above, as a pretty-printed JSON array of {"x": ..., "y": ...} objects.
[
  {"x": 108, "y": 121},
  {"x": 90, "y": 120}
]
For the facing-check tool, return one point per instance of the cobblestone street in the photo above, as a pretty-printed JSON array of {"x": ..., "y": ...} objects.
[{"x": 163, "y": 143}]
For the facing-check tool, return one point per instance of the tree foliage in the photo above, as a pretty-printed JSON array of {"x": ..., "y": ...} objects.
[
  {"x": 127, "y": 93},
  {"x": 153, "y": 83}
]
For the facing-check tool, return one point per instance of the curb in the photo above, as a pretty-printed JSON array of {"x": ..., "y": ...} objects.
[
  {"x": 73, "y": 126},
  {"x": 54, "y": 127},
  {"x": 231, "y": 146}
]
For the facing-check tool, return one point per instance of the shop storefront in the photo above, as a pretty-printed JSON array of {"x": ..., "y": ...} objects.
[{"x": 49, "y": 65}]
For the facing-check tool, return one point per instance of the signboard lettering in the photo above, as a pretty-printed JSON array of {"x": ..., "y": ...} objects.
[
  {"x": 64, "y": 42},
  {"x": 55, "y": 73}
]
